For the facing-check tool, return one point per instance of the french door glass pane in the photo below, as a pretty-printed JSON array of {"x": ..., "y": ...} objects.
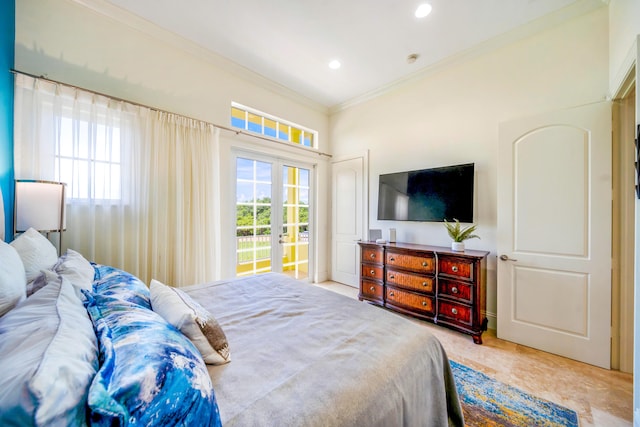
[
  {"x": 295, "y": 221},
  {"x": 253, "y": 217}
]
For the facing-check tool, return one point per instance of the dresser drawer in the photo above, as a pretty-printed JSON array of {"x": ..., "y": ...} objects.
[
  {"x": 455, "y": 267},
  {"x": 450, "y": 312},
  {"x": 414, "y": 282},
  {"x": 372, "y": 271},
  {"x": 371, "y": 290},
  {"x": 415, "y": 302},
  {"x": 423, "y": 264},
  {"x": 372, "y": 254},
  {"x": 458, "y": 290}
]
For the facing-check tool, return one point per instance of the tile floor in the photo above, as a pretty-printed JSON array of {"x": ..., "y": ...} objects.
[{"x": 602, "y": 398}]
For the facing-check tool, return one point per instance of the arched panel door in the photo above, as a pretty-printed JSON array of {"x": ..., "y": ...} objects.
[{"x": 554, "y": 233}]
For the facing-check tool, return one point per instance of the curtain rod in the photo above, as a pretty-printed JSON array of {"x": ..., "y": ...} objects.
[{"x": 115, "y": 98}]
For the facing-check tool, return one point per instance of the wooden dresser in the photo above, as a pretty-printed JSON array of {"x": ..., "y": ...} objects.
[{"x": 429, "y": 282}]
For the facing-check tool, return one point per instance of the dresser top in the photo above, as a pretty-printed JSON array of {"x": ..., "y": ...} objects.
[{"x": 438, "y": 249}]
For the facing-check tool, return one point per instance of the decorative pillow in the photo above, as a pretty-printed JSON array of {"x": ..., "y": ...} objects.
[
  {"x": 149, "y": 372},
  {"x": 13, "y": 280},
  {"x": 192, "y": 320},
  {"x": 118, "y": 283},
  {"x": 36, "y": 251},
  {"x": 49, "y": 356}
]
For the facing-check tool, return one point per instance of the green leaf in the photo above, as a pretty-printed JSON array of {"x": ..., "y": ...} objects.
[{"x": 459, "y": 234}]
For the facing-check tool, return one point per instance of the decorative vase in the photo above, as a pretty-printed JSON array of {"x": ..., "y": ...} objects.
[{"x": 457, "y": 246}]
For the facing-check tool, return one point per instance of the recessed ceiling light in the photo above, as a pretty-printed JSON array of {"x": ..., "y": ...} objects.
[
  {"x": 335, "y": 64},
  {"x": 423, "y": 10}
]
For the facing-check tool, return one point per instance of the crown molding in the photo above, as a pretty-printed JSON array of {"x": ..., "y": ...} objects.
[
  {"x": 148, "y": 28},
  {"x": 546, "y": 22}
]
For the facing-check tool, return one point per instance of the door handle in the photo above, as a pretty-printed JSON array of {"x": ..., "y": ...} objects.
[{"x": 506, "y": 258}]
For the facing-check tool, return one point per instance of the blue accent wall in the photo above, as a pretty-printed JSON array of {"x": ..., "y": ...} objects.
[{"x": 7, "y": 54}]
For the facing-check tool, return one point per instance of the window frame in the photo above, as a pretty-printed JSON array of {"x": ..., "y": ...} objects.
[
  {"x": 282, "y": 127},
  {"x": 90, "y": 161}
]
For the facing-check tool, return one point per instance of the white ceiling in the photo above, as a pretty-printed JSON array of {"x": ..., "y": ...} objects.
[{"x": 291, "y": 42}]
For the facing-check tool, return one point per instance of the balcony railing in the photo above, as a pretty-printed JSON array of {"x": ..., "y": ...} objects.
[{"x": 245, "y": 247}]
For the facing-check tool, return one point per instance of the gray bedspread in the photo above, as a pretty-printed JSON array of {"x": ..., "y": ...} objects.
[{"x": 305, "y": 356}]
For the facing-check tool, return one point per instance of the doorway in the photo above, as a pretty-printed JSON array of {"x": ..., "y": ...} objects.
[
  {"x": 273, "y": 217},
  {"x": 623, "y": 226}
]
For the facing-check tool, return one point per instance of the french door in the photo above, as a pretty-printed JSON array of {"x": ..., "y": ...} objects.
[{"x": 273, "y": 216}]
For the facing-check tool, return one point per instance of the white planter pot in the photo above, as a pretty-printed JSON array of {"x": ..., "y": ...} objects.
[{"x": 457, "y": 246}]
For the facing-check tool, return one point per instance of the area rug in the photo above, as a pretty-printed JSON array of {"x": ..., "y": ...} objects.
[{"x": 488, "y": 402}]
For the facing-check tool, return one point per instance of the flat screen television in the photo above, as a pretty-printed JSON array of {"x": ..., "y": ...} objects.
[{"x": 432, "y": 194}]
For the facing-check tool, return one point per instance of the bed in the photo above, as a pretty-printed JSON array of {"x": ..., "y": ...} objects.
[{"x": 294, "y": 354}]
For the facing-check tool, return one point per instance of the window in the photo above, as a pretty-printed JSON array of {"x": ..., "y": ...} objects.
[
  {"x": 88, "y": 159},
  {"x": 255, "y": 121}
]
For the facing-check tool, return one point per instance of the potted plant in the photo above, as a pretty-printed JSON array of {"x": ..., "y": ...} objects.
[{"x": 459, "y": 234}]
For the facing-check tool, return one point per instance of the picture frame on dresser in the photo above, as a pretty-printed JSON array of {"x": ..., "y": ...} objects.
[{"x": 431, "y": 283}]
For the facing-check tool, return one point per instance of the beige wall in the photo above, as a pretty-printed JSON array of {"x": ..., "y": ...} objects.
[
  {"x": 624, "y": 27},
  {"x": 112, "y": 52},
  {"x": 451, "y": 116}
]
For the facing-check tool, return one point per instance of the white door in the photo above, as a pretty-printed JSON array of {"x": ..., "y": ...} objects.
[
  {"x": 554, "y": 233},
  {"x": 273, "y": 216},
  {"x": 348, "y": 218}
]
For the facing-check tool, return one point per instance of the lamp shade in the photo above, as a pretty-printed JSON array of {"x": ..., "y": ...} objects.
[{"x": 39, "y": 204}]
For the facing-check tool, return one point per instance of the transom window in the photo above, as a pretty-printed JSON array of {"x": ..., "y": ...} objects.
[{"x": 255, "y": 121}]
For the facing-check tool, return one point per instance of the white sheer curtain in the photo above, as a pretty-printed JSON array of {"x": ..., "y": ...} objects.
[{"x": 142, "y": 184}]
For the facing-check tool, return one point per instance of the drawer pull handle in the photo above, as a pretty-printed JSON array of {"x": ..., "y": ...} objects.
[
  {"x": 373, "y": 256},
  {"x": 391, "y": 294},
  {"x": 424, "y": 263},
  {"x": 372, "y": 288},
  {"x": 454, "y": 311},
  {"x": 391, "y": 276},
  {"x": 392, "y": 259},
  {"x": 372, "y": 272},
  {"x": 424, "y": 303},
  {"x": 454, "y": 290},
  {"x": 424, "y": 283},
  {"x": 454, "y": 268}
]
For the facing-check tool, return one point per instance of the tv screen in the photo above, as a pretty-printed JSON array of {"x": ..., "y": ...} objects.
[{"x": 428, "y": 194}]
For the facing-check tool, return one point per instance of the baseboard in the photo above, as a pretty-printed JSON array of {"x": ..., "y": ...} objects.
[
  {"x": 322, "y": 276},
  {"x": 493, "y": 320}
]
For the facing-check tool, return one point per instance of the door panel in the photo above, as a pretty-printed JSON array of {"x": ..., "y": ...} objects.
[
  {"x": 347, "y": 190},
  {"x": 551, "y": 179},
  {"x": 554, "y": 232},
  {"x": 294, "y": 239},
  {"x": 254, "y": 225},
  {"x": 570, "y": 292}
]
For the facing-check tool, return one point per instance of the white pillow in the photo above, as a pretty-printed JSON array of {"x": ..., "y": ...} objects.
[
  {"x": 13, "y": 280},
  {"x": 72, "y": 266},
  {"x": 49, "y": 357},
  {"x": 36, "y": 251},
  {"x": 76, "y": 269},
  {"x": 194, "y": 321}
]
